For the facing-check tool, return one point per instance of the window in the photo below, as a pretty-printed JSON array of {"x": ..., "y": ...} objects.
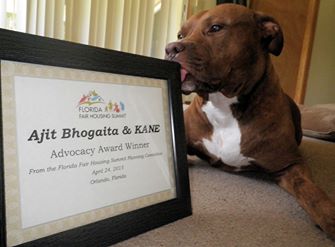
[{"x": 136, "y": 26}]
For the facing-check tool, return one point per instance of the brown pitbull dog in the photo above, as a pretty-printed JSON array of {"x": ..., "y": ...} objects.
[{"x": 241, "y": 119}]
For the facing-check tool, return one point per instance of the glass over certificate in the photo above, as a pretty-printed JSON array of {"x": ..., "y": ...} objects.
[{"x": 81, "y": 146}]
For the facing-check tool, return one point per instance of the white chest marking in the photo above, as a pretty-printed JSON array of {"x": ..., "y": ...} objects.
[{"x": 226, "y": 139}]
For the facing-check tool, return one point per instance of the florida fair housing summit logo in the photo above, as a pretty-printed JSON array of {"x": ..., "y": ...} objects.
[{"x": 94, "y": 106}]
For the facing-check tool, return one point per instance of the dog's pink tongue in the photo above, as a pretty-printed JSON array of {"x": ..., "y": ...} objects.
[{"x": 183, "y": 74}]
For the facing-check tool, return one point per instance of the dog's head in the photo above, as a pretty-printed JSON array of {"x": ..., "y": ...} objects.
[{"x": 225, "y": 49}]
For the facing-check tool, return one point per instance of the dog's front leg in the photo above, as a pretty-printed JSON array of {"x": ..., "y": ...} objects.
[{"x": 298, "y": 182}]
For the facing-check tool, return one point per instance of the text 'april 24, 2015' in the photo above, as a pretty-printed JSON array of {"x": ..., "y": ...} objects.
[
  {"x": 117, "y": 156},
  {"x": 100, "y": 171}
]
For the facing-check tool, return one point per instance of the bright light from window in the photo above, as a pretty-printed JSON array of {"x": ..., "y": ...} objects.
[
  {"x": 10, "y": 6},
  {"x": 158, "y": 6}
]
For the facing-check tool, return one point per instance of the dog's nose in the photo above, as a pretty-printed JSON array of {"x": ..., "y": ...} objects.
[{"x": 172, "y": 49}]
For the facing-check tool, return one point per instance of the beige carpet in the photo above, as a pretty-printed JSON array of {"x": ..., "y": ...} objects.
[{"x": 249, "y": 210}]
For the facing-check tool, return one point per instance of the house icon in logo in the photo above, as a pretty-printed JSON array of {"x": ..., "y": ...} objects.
[
  {"x": 90, "y": 99},
  {"x": 93, "y": 105}
]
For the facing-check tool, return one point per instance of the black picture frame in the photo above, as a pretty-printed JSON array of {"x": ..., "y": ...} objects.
[
  {"x": 243, "y": 2},
  {"x": 21, "y": 47}
]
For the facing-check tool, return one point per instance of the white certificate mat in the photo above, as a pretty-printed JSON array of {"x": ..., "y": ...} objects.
[{"x": 87, "y": 146}]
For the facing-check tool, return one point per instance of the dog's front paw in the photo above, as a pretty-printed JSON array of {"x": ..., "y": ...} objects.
[
  {"x": 191, "y": 160},
  {"x": 327, "y": 223}
]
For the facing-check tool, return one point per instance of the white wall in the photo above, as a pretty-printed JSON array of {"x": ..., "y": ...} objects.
[{"x": 321, "y": 79}]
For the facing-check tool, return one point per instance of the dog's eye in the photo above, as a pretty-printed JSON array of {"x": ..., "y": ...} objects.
[
  {"x": 215, "y": 28},
  {"x": 179, "y": 36}
]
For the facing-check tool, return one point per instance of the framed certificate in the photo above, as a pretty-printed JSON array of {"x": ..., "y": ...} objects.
[{"x": 92, "y": 145}]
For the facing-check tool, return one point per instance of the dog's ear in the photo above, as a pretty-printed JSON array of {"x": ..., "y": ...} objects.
[{"x": 272, "y": 35}]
